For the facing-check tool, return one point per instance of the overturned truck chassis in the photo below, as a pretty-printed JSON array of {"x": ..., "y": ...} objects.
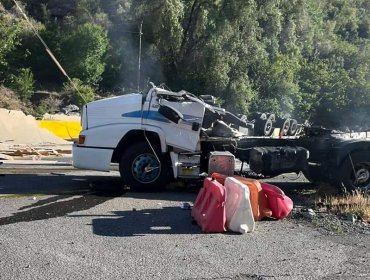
[{"x": 335, "y": 158}]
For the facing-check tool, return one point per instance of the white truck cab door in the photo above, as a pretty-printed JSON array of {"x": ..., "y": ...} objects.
[{"x": 186, "y": 133}]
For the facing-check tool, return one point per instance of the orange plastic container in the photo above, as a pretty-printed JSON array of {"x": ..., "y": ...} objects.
[
  {"x": 209, "y": 207},
  {"x": 259, "y": 201},
  {"x": 258, "y": 198}
]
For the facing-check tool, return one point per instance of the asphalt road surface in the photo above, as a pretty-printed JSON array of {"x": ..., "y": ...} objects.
[{"x": 60, "y": 223}]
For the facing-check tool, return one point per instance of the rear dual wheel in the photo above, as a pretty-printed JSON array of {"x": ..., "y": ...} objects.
[
  {"x": 285, "y": 126},
  {"x": 264, "y": 127},
  {"x": 355, "y": 171},
  {"x": 293, "y": 127}
]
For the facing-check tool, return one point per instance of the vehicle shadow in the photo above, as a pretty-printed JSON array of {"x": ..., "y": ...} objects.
[
  {"x": 61, "y": 184},
  {"x": 57, "y": 206},
  {"x": 67, "y": 194},
  {"x": 50, "y": 184},
  {"x": 76, "y": 193},
  {"x": 166, "y": 220}
]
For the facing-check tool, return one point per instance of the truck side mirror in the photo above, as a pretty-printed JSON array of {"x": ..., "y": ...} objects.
[{"x": 170, "y": 113}]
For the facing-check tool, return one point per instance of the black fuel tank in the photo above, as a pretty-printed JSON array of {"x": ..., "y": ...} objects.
[{"x": 277, "y": 160}]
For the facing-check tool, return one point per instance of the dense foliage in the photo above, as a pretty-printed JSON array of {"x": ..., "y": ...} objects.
[{"x": 307, "y": 58}]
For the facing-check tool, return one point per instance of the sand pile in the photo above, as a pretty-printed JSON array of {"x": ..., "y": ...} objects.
[{"x": 17, "y": 128}]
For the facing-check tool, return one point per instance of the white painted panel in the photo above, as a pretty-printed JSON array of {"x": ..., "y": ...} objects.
[{"x": 92, "y": 159}]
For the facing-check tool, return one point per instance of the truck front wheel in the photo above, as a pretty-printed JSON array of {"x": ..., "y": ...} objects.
[
  {"x": 141, "y": 170},
  {"x": 355, "y": 171}
]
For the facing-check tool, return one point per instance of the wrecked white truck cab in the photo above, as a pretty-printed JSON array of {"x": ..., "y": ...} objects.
[
  {"x": 164, "y": 135},
  {"x": 145, "y": 134}
]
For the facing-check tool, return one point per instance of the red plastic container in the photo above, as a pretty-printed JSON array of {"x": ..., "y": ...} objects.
[
  {"x": 209, "y": 207},
  {"x": 279, "y": 203},
  {"x": 219, "y": 177},
  {"x": 258, "y": 199}
]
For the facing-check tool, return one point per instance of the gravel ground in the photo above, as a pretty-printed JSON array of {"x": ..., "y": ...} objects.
[
  {"x": 72, "y": 224},
  {"x": 298, "y": 188}
]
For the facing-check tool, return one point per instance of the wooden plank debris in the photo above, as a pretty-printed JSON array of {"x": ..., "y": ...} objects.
[
  {"x": 6, "y": 157},
  {"x": 38, "y": 151}
]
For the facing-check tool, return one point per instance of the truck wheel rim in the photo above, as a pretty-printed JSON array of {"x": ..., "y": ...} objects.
[
  {"x": 286, "y": 127},
  {"x": 145, "y": 168},
  {"x": 362, "y": 177},
  {"x": 268, "y": 127}
]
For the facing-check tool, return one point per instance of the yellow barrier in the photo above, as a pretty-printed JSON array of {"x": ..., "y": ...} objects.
[{"x": 67, "y": 130}]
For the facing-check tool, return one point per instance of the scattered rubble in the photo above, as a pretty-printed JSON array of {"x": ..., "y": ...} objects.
[
  {"x": 70, "y": 109},
  {"x": 34, "y": 152},
  {"x": 61, "y": 117},
  {"x": 332, "y": 223},
  {"x": 6, "y": 157},
  {"x": 351, "y": 218},
  {"x": 186, "y": 206},
  {"x": 309, "y": 213}
]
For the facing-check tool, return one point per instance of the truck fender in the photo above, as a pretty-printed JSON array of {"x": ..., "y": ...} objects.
[
  {"x": 144, "y": 133},
  {"x": 342, "y": 151},
  {"x": 161, "y": 136}
]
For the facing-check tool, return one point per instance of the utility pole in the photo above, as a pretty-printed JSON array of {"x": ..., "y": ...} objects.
[{"x": 139, "y": 59}]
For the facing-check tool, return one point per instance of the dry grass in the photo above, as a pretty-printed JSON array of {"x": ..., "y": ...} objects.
[
  {"x": 356, "y": 202},
  {"x": 9, "y": 100}
]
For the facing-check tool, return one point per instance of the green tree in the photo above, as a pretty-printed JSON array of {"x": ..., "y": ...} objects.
[
  {"x": 306, "y": 58},
  {"x": 10, "y": 27},
  {"x": 78, "y": 93},
  {"x": 82, "y": 50},
  {"x": 22, "y": 83}
]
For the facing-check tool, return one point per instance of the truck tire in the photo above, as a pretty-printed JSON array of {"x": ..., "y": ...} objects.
[
  {"x": 284, "y": 125},
  {"x": 141, "y": 171},
  {"x": 356, "y": 176},
  {"x": 293, "y": 127},
  {"x": 263, "y": 127},
  {"x": 268, "y": 128},
  {"x": 271, "y": 117}
]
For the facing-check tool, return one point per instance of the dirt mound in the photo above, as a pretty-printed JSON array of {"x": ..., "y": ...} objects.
[{"x": 18, "y": 128}]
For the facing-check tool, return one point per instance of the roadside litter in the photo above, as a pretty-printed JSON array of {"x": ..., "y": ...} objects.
[
  {"x": 186, "y": 206},
  {"x": 235, "y": 203},
  {"x": 18, "y": 150}
]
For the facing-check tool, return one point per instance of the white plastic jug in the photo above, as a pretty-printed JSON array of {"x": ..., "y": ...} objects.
[{"x": 239, "y": 214}]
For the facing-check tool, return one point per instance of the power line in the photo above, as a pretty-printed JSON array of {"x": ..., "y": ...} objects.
[
  {"x": 49, "y": 52},
  {"x": 139, "y": 58}
]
